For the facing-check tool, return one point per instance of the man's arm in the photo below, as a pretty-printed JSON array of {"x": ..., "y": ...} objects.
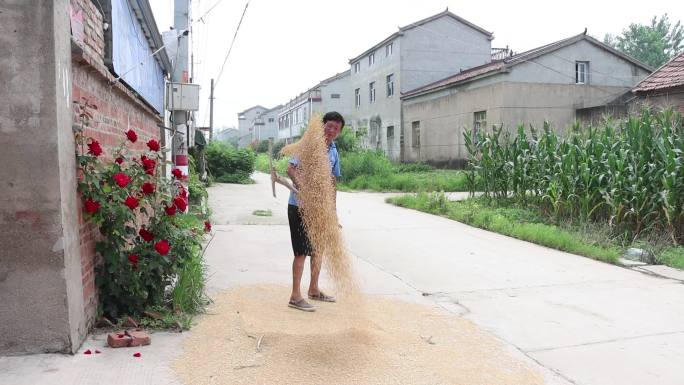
[{"x": 293, "y": 174}]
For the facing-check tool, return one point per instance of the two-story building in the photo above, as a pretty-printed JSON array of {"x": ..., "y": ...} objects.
[
  {"x": 415, "y": 55},
  {"x": 550, "y": 83}
]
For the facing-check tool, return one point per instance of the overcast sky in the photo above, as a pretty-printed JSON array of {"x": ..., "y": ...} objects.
[{"x": 286, "y": 46}]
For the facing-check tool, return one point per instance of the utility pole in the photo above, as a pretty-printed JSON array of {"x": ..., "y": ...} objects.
[
  {"x": 211, "y": 111},
  {"x": 179, "y": 151}
]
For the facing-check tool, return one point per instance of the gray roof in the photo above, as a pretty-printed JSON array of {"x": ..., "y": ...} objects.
[
  {"x": 418, "y": 24},
  {"x": 504, "y": 65},
  {"x": 251, "y": 108}
]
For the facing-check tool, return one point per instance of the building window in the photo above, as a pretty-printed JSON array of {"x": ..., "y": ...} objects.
[
  {"x": 388, "y": 49},
  {"x": 390, "y": 85},
  {"x": 334, "y": 96},
  {"x": 357, "y": 96},
  {"x": 479, "y": 122},
  {"x": 415, "y": 134},
  {"x": 357, "y": 67},
  {"x": 371, "y": 91},
  {"x": 390, "y": 134},
  {"x": 582, "y": 72},
  {"x": 371, "y": 59},
  {"x": 270, "y": 120}
]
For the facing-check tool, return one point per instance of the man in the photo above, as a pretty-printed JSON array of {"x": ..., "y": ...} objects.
[{"x": 333, "y": 123}]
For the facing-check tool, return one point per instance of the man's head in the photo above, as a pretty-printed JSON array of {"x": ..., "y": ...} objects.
[{"x": 332, "y": 125}]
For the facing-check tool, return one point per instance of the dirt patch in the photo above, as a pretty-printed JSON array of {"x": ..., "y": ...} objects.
[{"x": 252, "y": 337}]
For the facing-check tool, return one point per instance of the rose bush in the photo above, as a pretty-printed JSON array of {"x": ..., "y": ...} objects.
[{"x": 144, "y": 244}]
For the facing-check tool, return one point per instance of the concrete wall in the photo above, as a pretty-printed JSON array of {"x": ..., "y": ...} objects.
[
  {"x": 343, "y": 105},
  {"x": 438, "y": 49},
  {"x": 40, "y": 265},
  {"x": 606, "y": 69},
  {"x": 385, "y": 111},
  {"x": 446, "y": 114},
  {"x": 442, "y": 120}
]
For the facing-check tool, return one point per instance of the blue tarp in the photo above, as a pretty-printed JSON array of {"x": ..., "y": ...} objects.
[{"x": 129, "y": 49}]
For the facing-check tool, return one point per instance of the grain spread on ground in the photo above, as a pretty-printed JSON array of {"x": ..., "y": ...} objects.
[{"x": 249, "y": 337}]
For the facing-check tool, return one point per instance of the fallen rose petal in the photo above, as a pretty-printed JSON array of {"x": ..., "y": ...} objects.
[
  {"x": 97, "y": 352},
  {"x": 136, "y": 354},
  {"x": 88, "y": 352}
]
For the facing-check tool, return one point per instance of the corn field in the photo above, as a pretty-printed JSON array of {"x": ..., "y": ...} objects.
[{"x": 629, "y": 173}]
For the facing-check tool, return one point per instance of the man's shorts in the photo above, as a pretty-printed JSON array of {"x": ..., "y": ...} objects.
[{"x": 300, "y": 239}]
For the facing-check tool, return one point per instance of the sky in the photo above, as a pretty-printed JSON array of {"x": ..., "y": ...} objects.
[{"x": 284, "y": 47}]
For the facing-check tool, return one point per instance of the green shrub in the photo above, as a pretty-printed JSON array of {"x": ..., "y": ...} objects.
[
  {"x": 347, "y": 141},
  {"x": 413, "y": 167},
  {"x": 365, "y": 162},
  {"x": 230, "y": 165},
  {"x": 261, "y": 147}
]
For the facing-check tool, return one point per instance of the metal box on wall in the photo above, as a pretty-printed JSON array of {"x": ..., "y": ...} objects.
[{"x": 182, "y": 96}]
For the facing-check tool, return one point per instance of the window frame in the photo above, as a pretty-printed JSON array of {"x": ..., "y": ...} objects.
[
  {"x": 390, "y": 85},
  {"x": 415, "y": 134},
  {"x": 585, "y": 72},
  {"x": 371, "y": 92}
]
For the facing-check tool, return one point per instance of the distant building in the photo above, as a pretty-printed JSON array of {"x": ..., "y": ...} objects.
[{"x": 332, "y": 94}]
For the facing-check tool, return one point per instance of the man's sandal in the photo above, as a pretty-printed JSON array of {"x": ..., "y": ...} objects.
[
  {"x": 301, "y": 305},
  {"x": 322, "y": 297}
]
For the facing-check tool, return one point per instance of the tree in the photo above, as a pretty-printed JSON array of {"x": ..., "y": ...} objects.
[{"x": 653, "y": 44}]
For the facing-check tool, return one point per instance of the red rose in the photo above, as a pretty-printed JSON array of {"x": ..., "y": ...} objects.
[
  {"x": 131, "y": 202},
  {"x": 119, "y": 160},
  {"x": 181, "y": 203},
  {"x": 177, "y": 173},
  {"x": 148, "y": 188},
  {"x": 133, "y": 259},
  {"x": 162, "y": 247},
  {"x": 132, "y": 136},
  {"x": 207, "y": 226},
  {"x": 153, "y": 145},
  {"x": 171, "y": 210},
  {"x": 122, "y": 179},
  {"x": 146, "y": 235},
  {"x": 183, "y": 192},
  {"x": 91, "y": 206},
  {"x": 148, "y": 164},
  {"x": 94, "y": 148}
]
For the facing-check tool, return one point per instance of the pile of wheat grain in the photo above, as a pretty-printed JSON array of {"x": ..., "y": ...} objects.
[{"x": 317, "y": 204}]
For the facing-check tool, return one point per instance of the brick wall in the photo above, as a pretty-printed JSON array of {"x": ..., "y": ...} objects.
[{"x": 118, "y": 110}]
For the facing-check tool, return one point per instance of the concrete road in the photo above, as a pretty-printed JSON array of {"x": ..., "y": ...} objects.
[{"x": 578, "y": 321}]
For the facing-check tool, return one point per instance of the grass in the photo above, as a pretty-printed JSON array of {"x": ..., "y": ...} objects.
[
  {"x": 374, "y": 172},
  {"x": 262, "y": 213},
  {"x": 435, "y": 180},
  {"x": 516, "y": 222},
  {"x": 672, "y": 256}
]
